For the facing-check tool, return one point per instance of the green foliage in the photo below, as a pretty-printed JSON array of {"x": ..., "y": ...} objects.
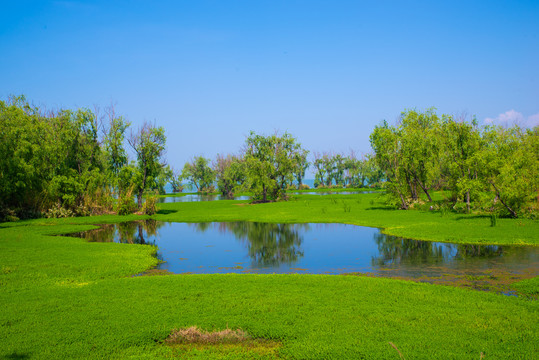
[
  {"x": 149, "y": 207},
  {"x": 199, "y": 173},
  {"x": 125, "y": 204},
  {"x": 149, "y": 145},
  {"x": 50, "y": 161},
  {"x": 300, "y": 157},
  {"x": 490, "y": 169},
  {"x": 58, "y": 211},
  {"x": 230, "y": 174},
  {"x": 271, "y": 162},
  {"x": 176, "y": 182}
]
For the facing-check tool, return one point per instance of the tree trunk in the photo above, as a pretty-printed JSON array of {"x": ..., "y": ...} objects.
[
  {"x": 139, "y": 197},
  {"x": 413, "y": 192},
  {"x": 404, "y": 206},
  {"x": 424, "y": 189},
  {"x": 468, "y": 201},
  {"x": 498, "y": 195}
]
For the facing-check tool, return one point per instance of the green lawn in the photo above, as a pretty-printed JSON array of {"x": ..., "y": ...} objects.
[{"x": 62, "y": 297}]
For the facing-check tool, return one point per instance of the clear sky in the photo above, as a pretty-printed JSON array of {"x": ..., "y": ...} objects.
[{"x": 325, "y": 71}]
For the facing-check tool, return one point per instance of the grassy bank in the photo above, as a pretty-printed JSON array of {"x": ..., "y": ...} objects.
[
  {"x": 62, "y": 297},
  {"x": 365, "y": 210}
]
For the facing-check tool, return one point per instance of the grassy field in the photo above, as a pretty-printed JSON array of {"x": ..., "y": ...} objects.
[{"x": 62, "y": 297}]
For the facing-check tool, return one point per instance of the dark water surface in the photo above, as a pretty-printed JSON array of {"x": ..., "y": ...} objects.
[{"x": 241, "y": 247}]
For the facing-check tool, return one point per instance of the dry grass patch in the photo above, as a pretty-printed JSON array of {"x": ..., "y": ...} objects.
[
  {"x": 195, "y": 342},
  {"x": 194, "y": 335}
]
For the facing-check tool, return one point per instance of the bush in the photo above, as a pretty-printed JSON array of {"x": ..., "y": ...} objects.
[
  {"x": 125, "y": 204},
  {"x": 59, "y": 211},
  {"x": 149, "y": 207},
  {"x": 304, "y": 187}
]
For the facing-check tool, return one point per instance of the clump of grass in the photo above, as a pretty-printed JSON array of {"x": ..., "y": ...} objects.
[
  {"x": 194, "y": 335},
  {"x": 346, "y": 207},
  {"x": 493, "y": 220}
]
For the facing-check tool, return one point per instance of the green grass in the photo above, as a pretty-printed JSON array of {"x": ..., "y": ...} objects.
[
  {"x": 65, "y": 298},
  {"x": 365, "y": 210}
]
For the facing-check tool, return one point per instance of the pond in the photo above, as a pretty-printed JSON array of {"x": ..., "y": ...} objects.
[{"x": 250, "y": 247}]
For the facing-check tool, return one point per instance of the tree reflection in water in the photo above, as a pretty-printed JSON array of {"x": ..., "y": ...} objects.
[
  {"x": 395, "y": 250},
  {"x": 269, "y": 245},
  {"x": 131, "y": 232}
]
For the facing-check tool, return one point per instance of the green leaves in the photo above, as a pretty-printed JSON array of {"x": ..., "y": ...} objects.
[
  {"x": 149, "y": 145},
  {"x": 199, "y": 173},
  {"x": 271, "y": 162},
  {"x": 491, "y": 169}
]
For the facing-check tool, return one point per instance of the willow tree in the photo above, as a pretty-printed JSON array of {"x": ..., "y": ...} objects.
[
  {"x": 199, "y": 173},
  {"x": 270, "y": 162},
  {"x": 420, "y": 148},
  {"x": 230, "y": 174},
  {"x": 510, "y": 167},
  {"x": 461, "y": 159},
  {"x": 385, "y": 141},
  {"x": 149, "y": 145}
]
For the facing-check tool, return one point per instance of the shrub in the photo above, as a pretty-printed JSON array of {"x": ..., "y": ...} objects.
[
  {"x": 59, "y": 211},
  {"x": 304, "y": 187},
  {"x": 149, "y": 207},
  {"x": 125, "y": 204}
]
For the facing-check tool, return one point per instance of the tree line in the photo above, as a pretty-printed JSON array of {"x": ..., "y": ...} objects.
[
  {"x": 489, "y": 169},
  {"x": 74, "y": 162},
  {"x": 269, "y": 165}
]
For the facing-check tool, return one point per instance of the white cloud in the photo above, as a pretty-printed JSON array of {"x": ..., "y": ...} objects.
[{"x": 512, "y": 117}]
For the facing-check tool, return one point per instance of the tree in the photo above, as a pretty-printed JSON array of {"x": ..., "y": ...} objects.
[
  {"x": 149, "y": 145},
  {"x": 302, "y": 164},
  {"x": 270, "y": 162},
  {"x": 176, "y": 181},
  {"x": 230, "y": 174},
  {"x": 510, "y": 166},
  {"x": 199, "y": 173},
  {"x": 460, "y": 159},
  {"x": 386, "y": 145},
  {"x": 420, "y": 145},
  {"x": 114, "y": 142}
]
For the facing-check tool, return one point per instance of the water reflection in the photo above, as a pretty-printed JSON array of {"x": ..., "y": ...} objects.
[
  {"x": 395, "y": 250},
  {"x": 144, "y": 232},
  {"x": 313, "y": 248},
  {"x": 269, "y": 245}
]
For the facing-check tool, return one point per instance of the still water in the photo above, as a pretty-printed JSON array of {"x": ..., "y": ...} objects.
[{"x": 250, "y": 247}]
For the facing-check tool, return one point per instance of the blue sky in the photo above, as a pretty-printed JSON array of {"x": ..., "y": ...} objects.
[{"x": 325, "y": 71}]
